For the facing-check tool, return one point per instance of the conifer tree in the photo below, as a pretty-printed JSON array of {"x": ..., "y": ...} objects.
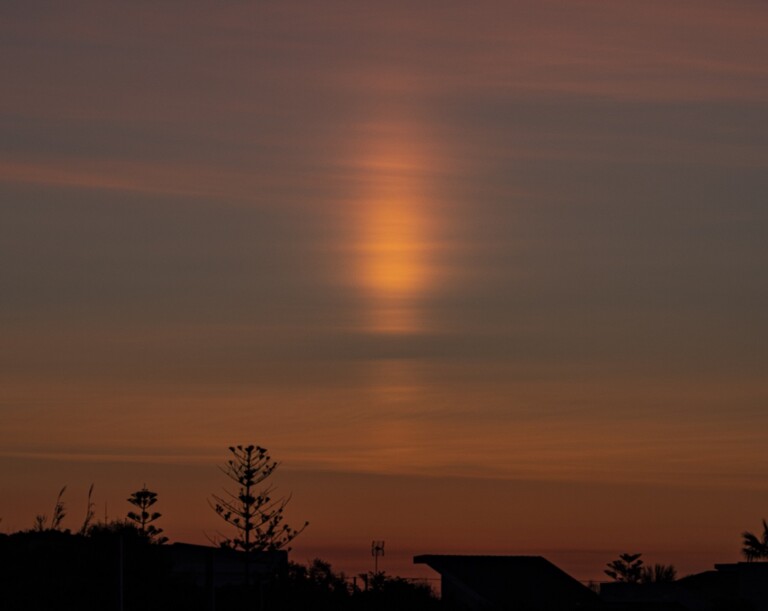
[
  {"x": 256, "y": 516},
  {"x": 143, "y": 500},
  {"x": 628, "y": 568}
]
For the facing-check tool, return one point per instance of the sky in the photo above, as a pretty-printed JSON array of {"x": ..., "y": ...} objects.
[{"x": 484, "y": 277}]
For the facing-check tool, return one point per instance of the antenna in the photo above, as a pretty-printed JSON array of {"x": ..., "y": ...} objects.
[{"x": 377, "y": 549}]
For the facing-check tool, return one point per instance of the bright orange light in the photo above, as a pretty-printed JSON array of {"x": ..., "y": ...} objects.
[
  {"x": 395, "y": 231},
  {"x": 393, "y": 257},
  {"x": 394, "y": 250}
]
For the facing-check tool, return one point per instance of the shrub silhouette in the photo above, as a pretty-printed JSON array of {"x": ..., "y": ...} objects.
[{"x": 755, "y": 548}]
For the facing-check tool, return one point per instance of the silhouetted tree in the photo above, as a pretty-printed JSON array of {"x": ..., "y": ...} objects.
[
  {"x": 255, "y": 515},
  {"x": 383, "y": 593},
  {"x": 143, "y": 500},
  {"x": 321, "y": 574},
  {"x": 755, "y": 548},
  {"x": 658, "y": 573},
  {"x": 628, "y": 568},
  {"x": 316, "y": 586}
]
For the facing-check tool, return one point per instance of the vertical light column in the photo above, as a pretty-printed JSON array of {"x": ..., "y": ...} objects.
[{"x": 394, "y": 248}]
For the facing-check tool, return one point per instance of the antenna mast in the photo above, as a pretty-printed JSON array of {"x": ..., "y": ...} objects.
[{"x": 377, "y": 549}]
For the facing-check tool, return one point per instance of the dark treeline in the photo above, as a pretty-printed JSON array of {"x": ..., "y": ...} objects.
[
  {"x": 129, "y": 565},
  {"x": 116, "y": 567},
  {"x": 110, "y": 565}
]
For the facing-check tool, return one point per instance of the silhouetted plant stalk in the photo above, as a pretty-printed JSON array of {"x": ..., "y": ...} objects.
[
  {"x": 41, "y": 520},
  {"x": 90, "y": 512}
]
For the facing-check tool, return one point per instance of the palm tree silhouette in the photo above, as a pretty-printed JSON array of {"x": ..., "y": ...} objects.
[{"x": 755, "y": 547}]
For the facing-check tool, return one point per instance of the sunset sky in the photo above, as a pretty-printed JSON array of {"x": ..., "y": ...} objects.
[{"x": 485, "y": 277}]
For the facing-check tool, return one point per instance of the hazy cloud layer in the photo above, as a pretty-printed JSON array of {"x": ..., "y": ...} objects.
[{"x": 509, "y": 240}]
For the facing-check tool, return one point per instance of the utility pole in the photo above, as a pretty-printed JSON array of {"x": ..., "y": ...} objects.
[{"x": 120, "y": 573}]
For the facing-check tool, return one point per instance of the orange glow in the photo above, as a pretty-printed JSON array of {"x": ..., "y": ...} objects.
[
  {"x": 394, "y": 267},
  {"x": 394, "y": 272},
  {"x": 394, "y": 246}
]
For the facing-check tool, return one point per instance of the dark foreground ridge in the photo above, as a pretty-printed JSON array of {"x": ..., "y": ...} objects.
[
  {"x": 123, "y": 570},
  {"x": 532, "y": 583}
]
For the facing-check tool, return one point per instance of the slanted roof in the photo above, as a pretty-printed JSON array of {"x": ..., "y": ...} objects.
[
  {"x": 520, "y": 582},
  {"x": 711, "y": 583}
]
